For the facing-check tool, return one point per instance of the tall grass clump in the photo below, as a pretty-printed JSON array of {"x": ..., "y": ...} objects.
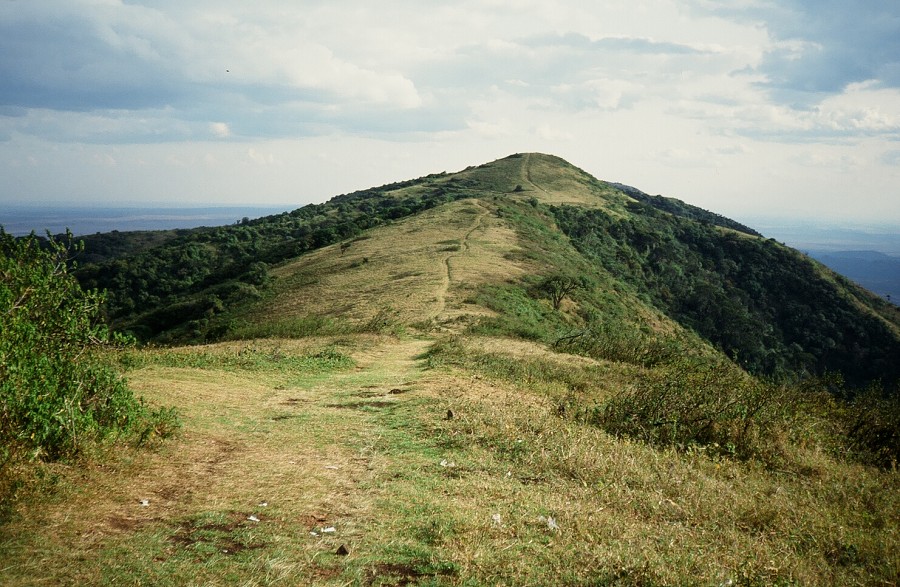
[
  {"x": 620, "y": 342},
  {"x": 57, "y": 391}
]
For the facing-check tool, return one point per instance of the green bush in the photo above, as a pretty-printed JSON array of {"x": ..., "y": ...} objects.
[
  {"x": 871, "y": 424},
  {"x": 699, "y": 402},
  {"x": 57, "y": 392}
]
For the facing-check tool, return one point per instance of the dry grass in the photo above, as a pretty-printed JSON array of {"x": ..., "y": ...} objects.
[
  {"x": 424, "y": 268},
  {"x": 419, "y": 497}
]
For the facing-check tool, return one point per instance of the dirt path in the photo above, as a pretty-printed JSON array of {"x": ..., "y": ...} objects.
[
  {"x": 283, "y": 466},
  {"x": 526, "y": 169},
  {"x": 447, "y": 274}
]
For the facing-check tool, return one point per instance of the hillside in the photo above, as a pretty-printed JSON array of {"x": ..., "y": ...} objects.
[
  {"x": 512, "y": 375},
  {"x": 648, "y": 260}
]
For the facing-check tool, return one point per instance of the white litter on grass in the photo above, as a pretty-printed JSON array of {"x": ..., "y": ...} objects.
[
  {"x": 551, "y": 523},
  {"x": 446, "y": 463},
  {"x": 253, "y": 519},
  {"x": 508, "y": 474},
  {"x": 496, "y": 520},
  {"x": 145, "y": 502},
  {"x": 264, "y": 504},
  {"x": 328, "y": 530},
  {"x": 332, "y": 467},
  {"x": 313, "y": 533}
]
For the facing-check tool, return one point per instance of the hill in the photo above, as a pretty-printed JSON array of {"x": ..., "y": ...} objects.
[
  {"x": 515, "y": 374},
  {"x": 649, "y": 261}
]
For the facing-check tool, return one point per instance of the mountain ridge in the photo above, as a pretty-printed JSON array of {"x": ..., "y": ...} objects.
[{"x": 709, "y": 274}]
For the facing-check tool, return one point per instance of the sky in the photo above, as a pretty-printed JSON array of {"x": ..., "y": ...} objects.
[{"x": 785, "y": 109}]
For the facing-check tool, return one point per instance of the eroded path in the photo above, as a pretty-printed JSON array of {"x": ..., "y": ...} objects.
[{"x": 277, "y": 469}]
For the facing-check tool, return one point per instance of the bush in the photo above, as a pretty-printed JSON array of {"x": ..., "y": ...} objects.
[
  {"x": 621, "y": 342},
  {"x": 698, "y": 402},
  {"x": 871, "y": 424},
  {"x": 57, "y": 393}
]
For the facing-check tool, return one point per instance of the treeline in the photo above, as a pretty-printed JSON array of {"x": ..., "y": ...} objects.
[
  {"x": 171, "y": 291},
  {"x": 772, "y": 309}
]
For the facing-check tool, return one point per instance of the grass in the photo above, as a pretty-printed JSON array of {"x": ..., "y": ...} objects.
[
  {"x": 443, "y": 460},
  {"x": 419, "y": 497}
]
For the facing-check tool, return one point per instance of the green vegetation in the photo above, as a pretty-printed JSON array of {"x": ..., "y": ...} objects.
[
  {"x": 179, "y": 287},
  {"x": 615, "y": 389},
  {"x": 772, "y": 309},
  {"x": 58, "y": 394}
]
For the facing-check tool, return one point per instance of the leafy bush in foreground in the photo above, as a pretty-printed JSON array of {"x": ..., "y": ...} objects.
[
  {"x": 56, "y": 392},
  {"x": 698, "y": 402}
]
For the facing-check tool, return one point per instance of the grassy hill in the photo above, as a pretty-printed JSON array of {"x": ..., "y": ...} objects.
[
  {"x": 644, "y": 258},
  {"x": 515, "y": 374}
]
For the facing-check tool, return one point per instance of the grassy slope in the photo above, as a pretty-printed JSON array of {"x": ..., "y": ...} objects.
[
  {"x": 352, "y": 431},
  {"x": 416, "y": 498}
]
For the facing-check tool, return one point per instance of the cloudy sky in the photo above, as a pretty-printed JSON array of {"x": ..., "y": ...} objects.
[{"x": 750, "y": 108}]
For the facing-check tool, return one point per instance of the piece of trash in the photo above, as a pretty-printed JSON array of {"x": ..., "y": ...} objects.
[
  {"x": 551, "y": 523},
  {"x": 253, "y": 518},
  {"x": 449, "y": 415},
  {"x": 342, "y": 550},
  {"x": 332, "y": 467},
  {"x": 509, "y": 474},
  {"x": 313, "y": 533},
  {"x": 328, "y": 530},
  {"x": 496, "y": 520},
  {"x": 145, "y": 502},
  {"x": 446, "y": 463},
  {"x": 264, "y": 504}
]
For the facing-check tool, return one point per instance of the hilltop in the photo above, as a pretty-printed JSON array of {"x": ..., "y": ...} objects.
[
  {"x": 650, "y": 261},
  {"x": 514, "y": 374}
]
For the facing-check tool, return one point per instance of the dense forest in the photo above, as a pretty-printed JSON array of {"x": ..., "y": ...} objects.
[{"x": 765, "y": 305}]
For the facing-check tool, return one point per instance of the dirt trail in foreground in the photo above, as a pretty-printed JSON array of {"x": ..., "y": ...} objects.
[{"x": 285, "y": 466}]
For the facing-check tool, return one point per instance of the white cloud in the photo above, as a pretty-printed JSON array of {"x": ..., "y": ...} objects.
[
  {"x": 220, "y": 129},
  {"x": 705, "y": 101}
]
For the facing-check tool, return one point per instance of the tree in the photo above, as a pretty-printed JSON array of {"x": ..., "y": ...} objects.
[{"x": 558, "y": 286}]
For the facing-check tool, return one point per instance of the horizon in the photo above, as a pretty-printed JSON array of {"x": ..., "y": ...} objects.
[
  {"x": 804, "y": 234},
  {"x": 746, "y": 109}
]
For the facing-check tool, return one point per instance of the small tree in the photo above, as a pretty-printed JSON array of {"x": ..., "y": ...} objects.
[{"x": 557, "y": 287}]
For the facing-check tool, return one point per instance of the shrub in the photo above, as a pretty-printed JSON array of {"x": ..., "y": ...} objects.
[
  {"x": 871, "y": 423},
  {"x": 698, "y": 402},
  {"x": 57, "y": 393},
  {"x": 621, "y": 342}
]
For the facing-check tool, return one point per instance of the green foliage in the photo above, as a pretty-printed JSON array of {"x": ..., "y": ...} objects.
[
  {"x": 871, "y": 424},
  {"x": 767, "y": 306},
  {"x": 248, "y": 358},
  {"x": 57, "y": 392},
  {"x": 519, "y": 314},
  {"x": 691, "y": 402},
  {"x": 173, "y": 287},
  {"x": 558, "y": 286},
  {"x": 55, "y": 389},
  {"x": 622, "y": 343}
]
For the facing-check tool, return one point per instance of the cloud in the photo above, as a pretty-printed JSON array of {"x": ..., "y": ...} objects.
[
  {"x": 108, "y": 58},
  {"x": 220, "y": 130},
  {"x": 822, "y": 46}
]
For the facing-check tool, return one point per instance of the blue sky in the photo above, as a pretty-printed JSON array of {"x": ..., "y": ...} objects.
[{"x": 787, "y": 109}]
